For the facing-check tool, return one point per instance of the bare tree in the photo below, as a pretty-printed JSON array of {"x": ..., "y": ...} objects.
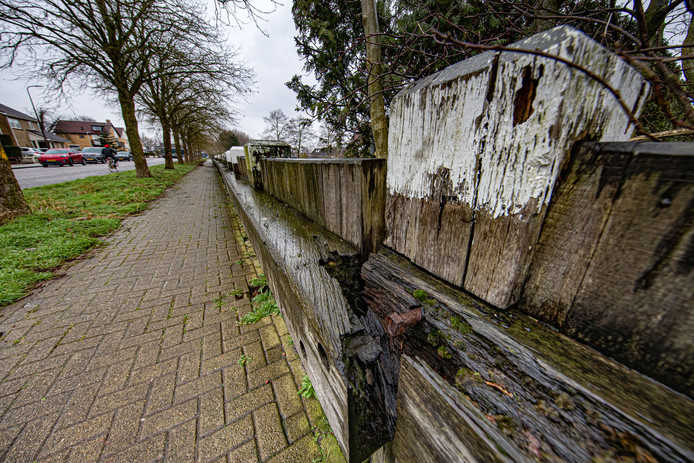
[
  {"x": 277, "y": 125},
  {"x": 106, "y": 45},
  {"x": 300, "y": 134},
  {"x": 200, "y": 67}
]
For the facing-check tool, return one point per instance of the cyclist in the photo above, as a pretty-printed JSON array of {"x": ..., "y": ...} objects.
[{"x": 109, "y": 152}]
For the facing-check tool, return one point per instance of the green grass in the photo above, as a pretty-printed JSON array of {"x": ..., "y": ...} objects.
[{"x": 67, "y": 220}]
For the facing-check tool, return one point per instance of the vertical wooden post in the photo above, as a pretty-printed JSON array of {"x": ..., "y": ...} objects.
[{"x": 379, "y": 125}]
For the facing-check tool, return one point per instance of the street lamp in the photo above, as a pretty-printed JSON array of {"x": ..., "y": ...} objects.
[{"x": 43, "y": 132}]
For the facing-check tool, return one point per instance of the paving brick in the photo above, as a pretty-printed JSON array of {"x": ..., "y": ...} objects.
[
  {"x": 116, "y": 376},
  {"x": 244, "y": 404},
  {"x": 221, "y": 361},
  {"x": 114, "y": 400},
  {"x": 169, "y": 418},
  {"x": 142, "y": 365},
  {"x": 77, "y": 409},
  {"x": 7, "y": 437},
  {"x": 245, "y": 453},
  {"x": 68, "y": 437},
  {"x": 149, "y": 450},
  {"x": 235, "y": 381},
  {"x": 269, "y": 432},
  {"x": 211, "y": 411},
  {"x": 224, "y": 440},
  {"x": 125, "y": 427},
  {"x": 297, "y": 426},
  {"x": 255, "y": 351},
  {"x": 212, "y": 345},
  {"x": 162, "y": 391},
  {"x": 182, "y": 443},
  {"x": 197, "y": 387},
  {"x": 86, "y": 451},
  {"x": 35, "y": 410},
  {"x": 287, "y": 397},
  {"x": 268, "y": 373},
  {"x": 269, "y": 336},
  {"x": 188, "y": 367},
  {"x": 304, "y": 450},
  {"x": 241, "y": 340}
]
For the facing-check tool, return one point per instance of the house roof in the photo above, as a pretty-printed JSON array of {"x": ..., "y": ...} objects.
[
  {"x": 7, "y": 111},
  {"x": 120, "y": 131},
  {"x": 78, "y": 127},
  {"x": 49, "y": 136}
]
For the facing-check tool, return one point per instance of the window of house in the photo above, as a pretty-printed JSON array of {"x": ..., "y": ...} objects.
[
  {"x": 81, "y": 136},
  {"x": 32, "y": 125},
  {"x": 14, "y": 123},
  {"x": 96, "y": 128}
]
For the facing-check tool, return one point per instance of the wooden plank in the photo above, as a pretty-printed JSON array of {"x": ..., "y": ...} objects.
[
  {"x": 575, "y": 219},
  {"x": 492, "y": 133},
  {"x": 436, "y": 424},
  {"x": 550, "y": 397},
  {"x": 500, "y": 254},
  {"x": 346, "y": 197},
  {"x": 314, "y": 275},
  {"x": 373, "y": 203},
  {"x": 635, "y": 301}
]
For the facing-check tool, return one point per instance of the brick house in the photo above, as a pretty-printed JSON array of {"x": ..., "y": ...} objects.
[
  {"x": 24, "y": 131},
  {"x": 87, "y": 133}
]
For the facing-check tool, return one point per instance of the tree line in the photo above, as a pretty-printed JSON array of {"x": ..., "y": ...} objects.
[
  {"x": 160, "y": 59},
  {"x": 416, "y": 38}
]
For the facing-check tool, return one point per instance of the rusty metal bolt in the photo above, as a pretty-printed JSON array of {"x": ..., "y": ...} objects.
[{"x": 397, "y": 323}]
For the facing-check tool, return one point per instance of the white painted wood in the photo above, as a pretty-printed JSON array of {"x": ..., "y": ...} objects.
[{"x": 445, "y": 120}]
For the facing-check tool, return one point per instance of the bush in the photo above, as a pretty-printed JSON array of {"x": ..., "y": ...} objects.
[{"x": 14, "y": 153}]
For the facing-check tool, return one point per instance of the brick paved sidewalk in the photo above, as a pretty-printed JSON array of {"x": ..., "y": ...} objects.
[{"x": 133, "y": 355}]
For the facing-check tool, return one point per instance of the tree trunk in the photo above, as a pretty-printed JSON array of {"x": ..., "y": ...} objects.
[
  {"x": 688, "y": 65},
  {"x": 547, "y": 8},
  {"x": 379, "y": 124},
  {"x": 168, "y": 160},
  {"x": 12, "y": 202},
  {"x": 127, "y": 106},
  {"x": 655, "y": 21},
  {"x": 177, "y": 141},
  {"x": 186, "y": 150}
]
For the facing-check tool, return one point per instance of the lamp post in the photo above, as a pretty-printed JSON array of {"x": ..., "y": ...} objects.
[{"x": 43, "y": 132}]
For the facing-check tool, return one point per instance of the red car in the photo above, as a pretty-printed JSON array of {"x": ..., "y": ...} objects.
[{"x": 61, "y": 157}]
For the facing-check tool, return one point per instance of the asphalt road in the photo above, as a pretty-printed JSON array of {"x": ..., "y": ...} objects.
[{"x": 29, "y": 177}]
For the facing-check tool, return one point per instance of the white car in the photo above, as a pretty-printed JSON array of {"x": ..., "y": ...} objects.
[{"x": 30, "y": 155}]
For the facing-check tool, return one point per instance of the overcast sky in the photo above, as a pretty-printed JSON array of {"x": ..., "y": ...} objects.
[{"x": 273, "y": 58}]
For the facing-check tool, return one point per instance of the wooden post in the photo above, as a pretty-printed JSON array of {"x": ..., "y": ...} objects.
[{"x": 475, "y": 151}]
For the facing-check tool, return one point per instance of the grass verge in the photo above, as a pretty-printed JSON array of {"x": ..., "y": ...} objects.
[{"x": 67, "y": 220}]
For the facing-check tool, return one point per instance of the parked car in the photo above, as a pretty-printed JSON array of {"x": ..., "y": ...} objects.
[
  {"x": 93, "y": 154},
  {"x": 61, "y": 157},
  {"x": 124, "y": 156},
  {"x": 29, "y": 155}
]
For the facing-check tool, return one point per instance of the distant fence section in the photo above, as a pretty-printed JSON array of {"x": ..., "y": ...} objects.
[
  {"x": 347, "y": 197},
  {"x": 512, "y": 211}
]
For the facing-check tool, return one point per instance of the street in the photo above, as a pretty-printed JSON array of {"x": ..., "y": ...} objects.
[{"x": 29, "y": 177}]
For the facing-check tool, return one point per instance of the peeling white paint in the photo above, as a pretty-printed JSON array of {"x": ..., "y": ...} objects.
[{"x": 446, "y": 121}]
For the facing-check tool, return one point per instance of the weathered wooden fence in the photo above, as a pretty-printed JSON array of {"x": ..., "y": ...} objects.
[{"x": 503, "y": 228}]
